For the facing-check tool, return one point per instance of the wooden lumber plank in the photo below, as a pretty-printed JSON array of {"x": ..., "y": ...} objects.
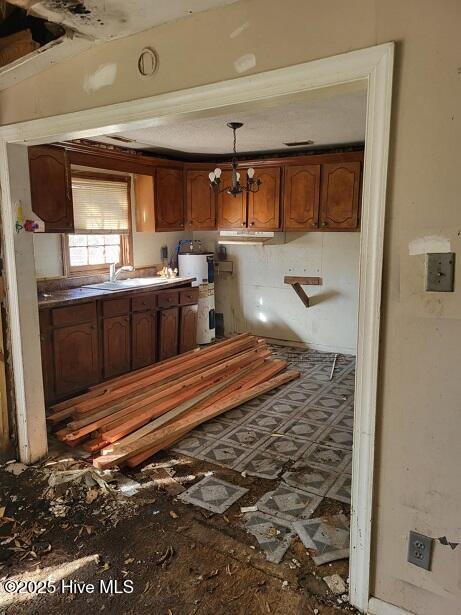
[
  {"x": 303, "y": 280},
  {"x": 164, "y": 434},
  {"x": 76, "y": 429},
  {"x": 169, "y": 374},
  {"x": 160, "y": 406},
  {"x": 252, "y": 375},
  {"x": 95, "y": 444},
  {"x": 112, "y": 411},
  {"x": 265, "y": 372},
  {"x": 126, "y": 416},
  {"x": 104, "y": 387},
  {"x": 268, "y": 370},
  {"x": 176, "y": 406},
  {"x": 299, "y": 290},
  {"x": 136, "y": 460}
]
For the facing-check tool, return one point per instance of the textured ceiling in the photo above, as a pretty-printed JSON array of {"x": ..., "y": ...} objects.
[
  {"x": 331, "y": 116},
  {"x": 110, "y": 19}
]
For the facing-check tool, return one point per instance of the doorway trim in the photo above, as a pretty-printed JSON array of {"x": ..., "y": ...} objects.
[{"x": 375, "y": 65}]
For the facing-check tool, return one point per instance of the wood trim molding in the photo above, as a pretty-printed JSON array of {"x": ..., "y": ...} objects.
[{"x": 374, "y": 66}]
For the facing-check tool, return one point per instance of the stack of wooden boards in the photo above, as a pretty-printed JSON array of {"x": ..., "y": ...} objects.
[{"x": 132, "y": 417}]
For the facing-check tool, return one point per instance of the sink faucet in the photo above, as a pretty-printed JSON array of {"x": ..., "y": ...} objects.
[{"x": 114, "y": 273}]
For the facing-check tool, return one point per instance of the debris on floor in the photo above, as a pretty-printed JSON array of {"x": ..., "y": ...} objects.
[
  {"x": 257, "y": 488},
  {"x": 336, "y": 584}
]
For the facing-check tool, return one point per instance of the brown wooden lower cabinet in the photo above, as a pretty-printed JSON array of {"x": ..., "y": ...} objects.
[
  {"x": 144, "y": 338},
  {"x": 188, "y": 328},
  {"x": 76, "y": 360},
  {"x": 117, "y": 345},
  {"x": 89, "y": 342},
  {"x": 168, "y": 333}
]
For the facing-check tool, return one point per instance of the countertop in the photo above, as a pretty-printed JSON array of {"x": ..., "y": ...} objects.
[{"x": 72, "y": 296}]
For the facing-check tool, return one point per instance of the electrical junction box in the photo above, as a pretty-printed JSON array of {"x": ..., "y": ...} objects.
[{"x": 440, "y": 272}]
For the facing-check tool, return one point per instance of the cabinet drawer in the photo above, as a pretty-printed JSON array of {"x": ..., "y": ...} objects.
[
  {"x": 188, "y": 296},
  {"x": 140, "y": 303},
  {"x": 115, "y": 307},
  {"x": 168, "y": 299},
  {"x": 73, "y": 315}
]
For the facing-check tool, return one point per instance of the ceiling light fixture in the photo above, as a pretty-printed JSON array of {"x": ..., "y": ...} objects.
[{"x": 252, "y": 184}]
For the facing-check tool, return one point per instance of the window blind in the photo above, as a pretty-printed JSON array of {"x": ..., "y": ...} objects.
[{"x": 100, "y": 205}]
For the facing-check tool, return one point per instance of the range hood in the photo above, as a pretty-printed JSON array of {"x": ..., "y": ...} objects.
[{"x": 247, "y": 237}]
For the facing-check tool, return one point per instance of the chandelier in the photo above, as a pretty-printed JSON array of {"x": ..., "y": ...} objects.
[{"x": 252, "y": 184}]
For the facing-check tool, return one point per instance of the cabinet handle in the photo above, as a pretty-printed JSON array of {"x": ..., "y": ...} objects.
[
  {"x": 324, "y": 223},
  {"x": 252, "y": 223},
  {"x": 314, "y": 224}
]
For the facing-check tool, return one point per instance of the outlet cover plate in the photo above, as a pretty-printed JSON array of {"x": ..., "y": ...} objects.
[
  {"x": 440, "y": 272},
  {"x": 420, "y": 550}
]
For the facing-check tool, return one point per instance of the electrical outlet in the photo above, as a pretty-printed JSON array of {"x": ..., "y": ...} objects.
[{"x": 420, "y": 550}]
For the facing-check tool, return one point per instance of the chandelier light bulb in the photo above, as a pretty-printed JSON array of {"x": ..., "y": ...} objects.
[{"x": 234, "y": 187}]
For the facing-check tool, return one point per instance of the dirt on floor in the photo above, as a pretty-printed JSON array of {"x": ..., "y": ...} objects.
[{"x": 80, "y": 547}]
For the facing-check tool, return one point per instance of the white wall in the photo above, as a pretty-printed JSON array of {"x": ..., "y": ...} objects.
[{"x": 255, "y": 298}]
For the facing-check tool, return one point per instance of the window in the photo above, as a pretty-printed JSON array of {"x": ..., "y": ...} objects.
[{"x": 102, "y": 223}]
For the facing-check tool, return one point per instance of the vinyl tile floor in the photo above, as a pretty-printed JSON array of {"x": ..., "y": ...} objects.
[{"x": 299, "y": 435}]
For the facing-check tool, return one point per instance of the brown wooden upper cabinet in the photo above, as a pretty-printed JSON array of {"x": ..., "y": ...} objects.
[
  {"x": 144, "y": 205},
  {"x": 322, "y": 197},
  {"x": 301, "y": 202},
  {"x": 200, "y": 201},
  {"x": 169, "y": 199},
  {"x": 232, "y": 211},
  {"x": 339, "y": 207},
  {"x": 51, "y": 188},
  {"x": 256, "y": 210},
  {"x": 264, "y": 205}
]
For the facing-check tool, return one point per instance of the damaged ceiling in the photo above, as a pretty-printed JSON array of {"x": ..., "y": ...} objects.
[{"x": 113, "y": 19}]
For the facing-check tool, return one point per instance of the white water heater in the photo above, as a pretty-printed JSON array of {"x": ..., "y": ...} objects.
[{"x": 201, "y": 267}]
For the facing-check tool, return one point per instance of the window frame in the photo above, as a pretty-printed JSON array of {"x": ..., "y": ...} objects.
[{"x": 126, "y": 239}]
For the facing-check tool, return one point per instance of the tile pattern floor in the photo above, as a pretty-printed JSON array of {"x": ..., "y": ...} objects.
[
  {"x": 213, "y": 494},
  {"x": 301, "y": 434},
  {"x": 327, "y": 538},
  {"x": 274, "y": 536}
]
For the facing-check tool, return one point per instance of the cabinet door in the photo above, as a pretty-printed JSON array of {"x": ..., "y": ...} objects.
[
  {"x": 188, "y": 328},
  {"x": 168, "y": 333},
  {"x": 340, "y": 196},
  {"x": 51, "y": 188},
  {"x": 144, "y": 203},
  {"x": 116, "y": 345},
  {"x": 232, "y": 210},
  {"x": 301, "y": 198},
  {"x": 264, "y": 205},
  {"x": 76, "y": 361},
  {"x": 143, "y": 335},
  {"x": 201, "y": 202},
  {"x": 169, "y": 200}
]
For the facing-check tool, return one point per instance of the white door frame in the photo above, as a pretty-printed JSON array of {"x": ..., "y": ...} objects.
[{"x": 374, "y": 65}]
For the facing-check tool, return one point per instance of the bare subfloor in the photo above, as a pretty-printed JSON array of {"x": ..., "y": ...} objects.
[{"x": 181, "y": 560}]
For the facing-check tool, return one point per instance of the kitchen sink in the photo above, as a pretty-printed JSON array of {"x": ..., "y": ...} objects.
[{"x": 129, "y": 283}]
